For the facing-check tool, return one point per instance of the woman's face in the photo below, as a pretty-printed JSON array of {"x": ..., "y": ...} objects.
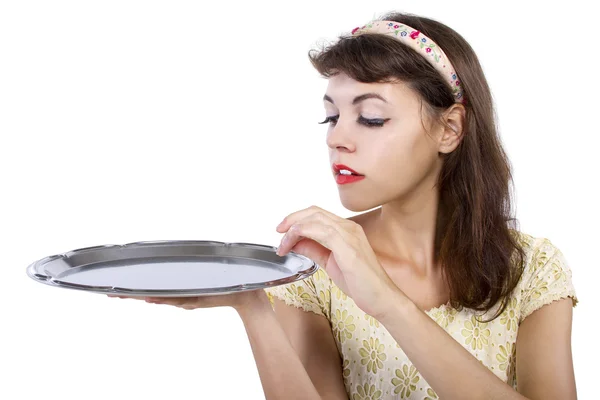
[{"x": 396, "y": 155}]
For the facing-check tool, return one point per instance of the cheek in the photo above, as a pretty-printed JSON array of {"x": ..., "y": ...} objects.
[
  {"x": 405, "y": 148},
  {"x": 408, "y": 156}
]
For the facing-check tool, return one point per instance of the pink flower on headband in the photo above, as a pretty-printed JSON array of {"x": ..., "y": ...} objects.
[
  {"x": 428, "y": 49},
  {"x": 355, "y": 29},
  {"x": 414, "y": 34}
]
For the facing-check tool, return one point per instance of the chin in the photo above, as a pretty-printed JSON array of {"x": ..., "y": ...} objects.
[{"x": 357, "y": 203}]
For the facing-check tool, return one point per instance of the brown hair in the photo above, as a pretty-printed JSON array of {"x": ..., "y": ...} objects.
[{"x": 476, "y": 237}]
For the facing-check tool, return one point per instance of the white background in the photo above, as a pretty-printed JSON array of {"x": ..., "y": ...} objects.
[{"x": 127, "y": 121}]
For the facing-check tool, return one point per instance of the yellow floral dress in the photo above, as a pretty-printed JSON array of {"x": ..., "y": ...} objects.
[{"x": 375, "y": 367}]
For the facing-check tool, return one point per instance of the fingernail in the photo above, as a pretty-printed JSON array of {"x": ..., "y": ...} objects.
[
  {"x": 281, "y": 244},
  {"x": 279, "y": 252}
]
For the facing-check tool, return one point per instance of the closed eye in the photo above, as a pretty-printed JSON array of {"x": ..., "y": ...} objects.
[{"x": 370, "y": 122}]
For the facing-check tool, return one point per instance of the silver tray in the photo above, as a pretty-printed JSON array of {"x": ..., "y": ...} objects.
[{"x": 171, "y": 268}]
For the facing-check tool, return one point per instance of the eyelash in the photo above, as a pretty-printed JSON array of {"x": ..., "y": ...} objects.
[{"x": 373, "y": 123}]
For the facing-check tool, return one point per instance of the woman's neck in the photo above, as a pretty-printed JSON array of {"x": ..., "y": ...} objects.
[{"x": 405, "y": 230}]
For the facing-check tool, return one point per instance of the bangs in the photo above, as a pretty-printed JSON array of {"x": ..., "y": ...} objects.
[
  {"x": 369, "y": 58},
  {"x": 376, "y": 58}
]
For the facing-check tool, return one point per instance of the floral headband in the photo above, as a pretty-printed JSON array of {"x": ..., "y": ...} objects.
[{"x": 423, "y": 45}]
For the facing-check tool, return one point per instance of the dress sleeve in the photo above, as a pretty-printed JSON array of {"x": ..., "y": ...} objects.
[
  {"x": 546, "y": 278},
  {"x": 310, "y": 294}
]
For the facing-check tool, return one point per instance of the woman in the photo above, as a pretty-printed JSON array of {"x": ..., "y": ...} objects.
[{"x": 433, "y": 293}]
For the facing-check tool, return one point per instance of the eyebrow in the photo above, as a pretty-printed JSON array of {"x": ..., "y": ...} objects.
[{"x": 360, "y": 98}]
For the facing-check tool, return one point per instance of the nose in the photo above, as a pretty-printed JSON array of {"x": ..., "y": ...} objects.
[{"x": 339, "y": 138}]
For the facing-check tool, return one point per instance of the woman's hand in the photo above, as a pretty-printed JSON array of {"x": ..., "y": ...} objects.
[
  {"x": 238, "y": 300},
  {"x": 341, "y": 247}
]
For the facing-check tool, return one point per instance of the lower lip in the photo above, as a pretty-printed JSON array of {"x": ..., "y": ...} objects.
[{"x": 344, "y": 179}]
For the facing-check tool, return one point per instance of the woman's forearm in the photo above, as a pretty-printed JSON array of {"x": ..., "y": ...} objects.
[
  {"x": 446, "y": 365},
  {"x": 281, "y": 372}
]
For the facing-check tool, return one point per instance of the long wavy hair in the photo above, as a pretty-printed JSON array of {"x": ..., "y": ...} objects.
[{"x": 477, "y": 238}]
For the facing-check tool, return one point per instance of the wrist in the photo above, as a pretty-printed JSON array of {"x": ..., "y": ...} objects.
[
  {"x": 251, "y": 301},
  {"x": 397, "y": 305}
]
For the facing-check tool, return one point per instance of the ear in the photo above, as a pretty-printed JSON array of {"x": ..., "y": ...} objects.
[{"x": 452, "y": 129}]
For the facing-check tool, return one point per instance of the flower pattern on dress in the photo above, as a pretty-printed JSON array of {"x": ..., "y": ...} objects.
[
  {"x": 346, "y": 368},
  {"x": 476, "y": 333},
  {"x": 540, "y": 287},
  {"x": 339, "y": 294},
  {"x": 558, "y": 272},
  {"x": 541, "y": 259},
  {"x": 372, "y": 354},
  {"x": 431, "y": 395},
  {"x": 325, "y": 296},
  {"x": 372, "y": 321},
  {"x": 343, "y": 325},
  {"x": 444, "y": 316},
  {"x": 367, "y": 392},
  {"x": 405, "y": 381},
  {"x": 505, "y": 356},
  {"x": 509, "y": 317},
  {"x": 298, "y": 291}
]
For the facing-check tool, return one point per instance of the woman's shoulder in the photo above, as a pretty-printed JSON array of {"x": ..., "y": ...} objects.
[
  {"x": 546, "y": 274},
  {"x": 310, "y": 294},
  {"x": 539, "y": 252},
  {"x": 528, "y": 242}
]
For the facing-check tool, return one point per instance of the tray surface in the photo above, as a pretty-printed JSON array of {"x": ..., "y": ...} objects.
[{"x": 172, "y": 268}]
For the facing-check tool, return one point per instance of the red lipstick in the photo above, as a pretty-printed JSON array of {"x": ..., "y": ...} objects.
[{"x": 347, "y": 176}]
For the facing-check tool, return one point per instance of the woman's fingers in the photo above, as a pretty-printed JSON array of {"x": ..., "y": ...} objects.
[
  {"x": 121, "y": 296},
  {"x": 319, "y": 227},
  {"x": 313, "y": 250},
  {"x": 174, "y": 301},
  {"x": 302, "y": 214},
  {"x": 188, "y": 303}
]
